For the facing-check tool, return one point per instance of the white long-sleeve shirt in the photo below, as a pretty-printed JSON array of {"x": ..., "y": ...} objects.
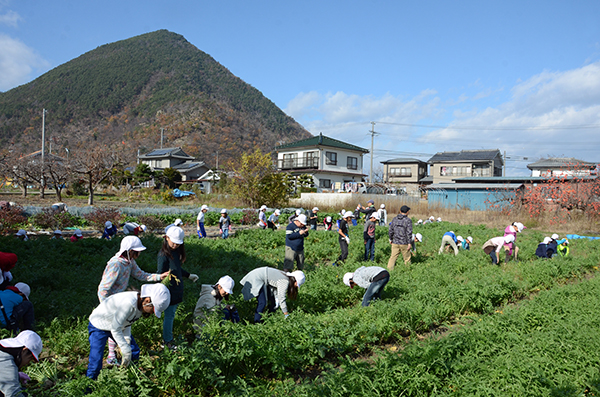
[{"x": 116, "y": 314}]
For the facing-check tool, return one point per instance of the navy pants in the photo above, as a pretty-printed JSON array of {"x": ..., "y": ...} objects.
[
  {"x": 494, "y": 257},
  {"x": 98, "y": 340},
  {"x": 202, "y": 231},
  {"x": 370, "y": 248},
  {"x": 265, "y": 302}
]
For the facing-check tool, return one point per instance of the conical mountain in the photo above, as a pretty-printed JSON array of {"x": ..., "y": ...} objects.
[{"x": 127, "y": 91}]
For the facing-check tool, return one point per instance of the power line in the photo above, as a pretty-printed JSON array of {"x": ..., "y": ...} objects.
[{"x": 566, "y": 127}]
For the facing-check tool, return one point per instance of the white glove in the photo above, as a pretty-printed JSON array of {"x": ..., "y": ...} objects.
[
  {"x": 197, "y": 227},
  {"x": 193, "y": 277},
  {"x": 348, "y": 240}
]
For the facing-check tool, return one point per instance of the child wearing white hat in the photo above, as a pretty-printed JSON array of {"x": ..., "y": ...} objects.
[
  {"x": 114, "y": 317},
  {"x": 211, "y": 299},
  {"x": 16, "y": 354},
  {"x": 262, "y": 217},
  {"x": 116, "y": 275},
  {"x": 200, "y": 221},
  {"x": 224, "y": 224},
  {"x": 273, "y": 221}
]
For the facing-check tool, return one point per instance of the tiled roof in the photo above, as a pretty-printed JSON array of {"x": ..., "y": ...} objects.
[
  {"x": 166, "y": 152},
  {"x": 321, "y": 140},
  {"x": 560, "y": 162},
  {"x": 465, "y": 155},
  {"x": 403, "y": 160}
]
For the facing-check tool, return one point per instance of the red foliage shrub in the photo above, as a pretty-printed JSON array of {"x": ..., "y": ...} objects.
[
  {"x": 99, "y": 216},
  {"x": 11, "y": 217}
]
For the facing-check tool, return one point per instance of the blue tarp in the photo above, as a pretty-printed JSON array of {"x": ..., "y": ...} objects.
[
  {"x": 576, "y": 236},
  {"x": 182, "y": 193}
]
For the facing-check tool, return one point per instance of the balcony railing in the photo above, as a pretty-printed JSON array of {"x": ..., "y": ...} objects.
[
  {"x": 302, "y": 163},
  {"x": 405, "y": 175}
]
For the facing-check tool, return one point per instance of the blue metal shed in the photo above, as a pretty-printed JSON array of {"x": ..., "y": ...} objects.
[{"x": 472, "y": 196}]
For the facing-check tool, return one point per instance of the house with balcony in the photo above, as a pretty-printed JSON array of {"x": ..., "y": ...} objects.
[
  {"x": 189, "y": 168},
  {"x": 406, "y": 173},
  {"x": 331, "y": 162},
  {"x": 562, "y": 166},
  {"x": 446, "y": 166}
]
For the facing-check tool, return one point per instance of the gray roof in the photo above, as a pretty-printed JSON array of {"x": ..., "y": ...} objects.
[
  {"x": 321, "y": 140},
  {"x": 403, "y": 160},
  {"x": 166, "y": 152},
  {"x": 478, "y": 186},
  {"x": 560, "y": 162},
  {"x": 516, "y": 179},
  {"x": 188, "y": 165},
  {"x": 466, "y": 155}
]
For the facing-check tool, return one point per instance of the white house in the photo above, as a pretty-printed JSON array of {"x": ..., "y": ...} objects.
[
  {"x": 562, "y": 166},
  {"x": 331, "y": 163},
  {"x": 188, "y": 167}
]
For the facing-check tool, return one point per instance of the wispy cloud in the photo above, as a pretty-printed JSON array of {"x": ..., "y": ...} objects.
[
  {"x": 17, "y": 62},
  {"x": 10, "y": 18}
]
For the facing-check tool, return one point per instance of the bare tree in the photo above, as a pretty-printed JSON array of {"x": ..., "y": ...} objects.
[
  {"x": 94, "y": 164},
  {"x": 57, "y": 174},
  {"x": 13, "y": 167}
]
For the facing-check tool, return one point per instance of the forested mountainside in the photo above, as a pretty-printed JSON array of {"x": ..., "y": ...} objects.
[{"x": 125, "y": 92}]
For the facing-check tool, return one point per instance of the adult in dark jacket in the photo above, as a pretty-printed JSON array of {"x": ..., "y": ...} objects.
[
  {"x": 400, "y": 235},
  {"x": 295, "y": 233},
  {"x": 370, "y": 209},
  {"x": 170, "y": 258},
  {"x": 344, "y": 236},
  {"x": 546, "y": 249}
]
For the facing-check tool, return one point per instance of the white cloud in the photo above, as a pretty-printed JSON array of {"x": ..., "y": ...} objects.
[
  {"x": 17, "y": 62},
  {"x": 10, "y": 18}
]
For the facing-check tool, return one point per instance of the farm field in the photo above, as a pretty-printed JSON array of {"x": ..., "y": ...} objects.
[{"x": 446, "y": 325}]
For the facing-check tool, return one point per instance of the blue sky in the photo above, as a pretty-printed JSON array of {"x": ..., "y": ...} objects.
[{"x": 522, "y": 77}]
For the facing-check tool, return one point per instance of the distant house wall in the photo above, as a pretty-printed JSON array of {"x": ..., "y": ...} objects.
[
  {"x": 471, "y": 199},
  {"x": 404, "y": 173}
]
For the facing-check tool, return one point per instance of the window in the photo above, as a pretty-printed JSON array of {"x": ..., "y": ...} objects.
[
  {"x": 326, "y": 183},
  {"x": 311, "y": 159},
  {"x": 331, "y": 158},
  {"x": 455, "y": 171},
  {"x": 352, "y": 163},
  {"x": 400, "y": 171},
  {"x": 289, "y": 161}
]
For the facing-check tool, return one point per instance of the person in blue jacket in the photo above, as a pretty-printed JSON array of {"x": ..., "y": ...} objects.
[
  {"x": 295, "y": 233},
  {"x": 110, "y": 230}
]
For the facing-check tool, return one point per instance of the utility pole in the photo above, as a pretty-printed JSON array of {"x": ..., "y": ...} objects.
[
  {"x": 504, "y": 165},
  {"x": 162, "y": 132},
  {"x": 217, "y": 165},
  {"x": 373, "y": 133},
  {"x": 44, "y": 111}
]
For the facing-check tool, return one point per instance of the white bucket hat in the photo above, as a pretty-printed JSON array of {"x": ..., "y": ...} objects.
[
  {"x": 277, "y": 212},
  {"x": 546, "y": 240},
  {"x": 347, "y": 278},
  {"x": 554, "y": 236},
  {"x": 176, "y": 234},
  {"x": 470, "y": 240},
  {"x": 299, "y": 276},
  {"x": 382, "y": 206},
  {"x": 160, "y": 296},
  {"x": 460, "y": 238},
  {"x": 204, "y": 207},
  {"x": 509, "y": 239},
  {"x": 328, "y": 219},
  {"x": 78, "y": 233},
  {"x": 178, "y": 222},
  {"x": 419, "y": 237},
  {"x": 348, "y": 214},
  {"x": 144, "y": 228},
  {"x": 223, "y": 211},
  {"x": 298, "y": 211},
  {"x": 24, "y": 288},
  {"x": 131, "y": 243},
  {"x": 227, "y": 284},
  {"x": 263, "y": 207},
  {"x": 28, "y": 339},
  {"x": 21, "y": 232},
  {"x": 108, "y": 224},
  {"x": 302, "y": 219},
  {"x": 375, "y": 215},
  {"x": 315, "y": 209},
  {"x": 57, "y": 231}
]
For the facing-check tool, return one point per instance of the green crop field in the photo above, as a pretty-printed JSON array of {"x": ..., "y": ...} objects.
[{"x": 446, "y": 325}]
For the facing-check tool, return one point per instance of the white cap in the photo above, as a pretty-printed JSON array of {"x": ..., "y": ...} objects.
[
  {"x": 460, "y": 238},
  {"x": 382, "y": 206},
  {"x": 439, "y": 219},
  {"x": 108, "y": 224},
  {"x": 301, "y": 218},
  {"x": 375, "y": 215},
  {"x": 78, "y": 233},
  {"x": 315, "y": 209},
  {"x": 328, "y": 219},
  {"x": 223, "y": 211},
  {"x": 131, "y": 243},
  {"x": 160, "y": 296},
  {"x": 470, "y": 240},
  {"x": 227, "y": 284},
  {"x": 546, "y": 240},
  {"x": 509, "y": 239},
  {"x": 299, "y": 276},
  {"x": 431, "y": 218},
  {"x": 343, "y": 211},
  {"x": 24, "y": 288},
  {"x": 28, "y": 339},
  {"x": 347, "y": 278},
  {"x": 520, "y": 227},
  {"x": 175, "y": 234},
  {"x": 178, "y": 222},
  {"x": 21, "y": 232},
  {"x": 263, "y": 207},
  {"x": 348, "y": 214},
  {"x": 57, "y": 231},
  {"x": 419, "y": 237},
  {"x": 144, "y": 228},
  {"x": 277, "y": 212},
  {"x": 298, "y": 211},
  {"x": 554, "y": 236},
  {"x": 420, "y": 221},
  {"x": 204, "y": 207}
]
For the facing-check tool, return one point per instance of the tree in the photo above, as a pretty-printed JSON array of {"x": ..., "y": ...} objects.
[
  {"x": 256, "y": 180},
  {"x": 94, "y": 165},
  {"x": 57, "y": 174},
  {"x": 142, "y": 173},
  {"x": 170, "y": 177}
]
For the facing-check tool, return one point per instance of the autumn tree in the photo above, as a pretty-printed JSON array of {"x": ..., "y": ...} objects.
[
  {"x": 94, "y": 165},
  {"x": 256, "y": 180}
]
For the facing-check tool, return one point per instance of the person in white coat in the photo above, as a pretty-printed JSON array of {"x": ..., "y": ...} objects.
[{"x": 113, "y": 319}]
